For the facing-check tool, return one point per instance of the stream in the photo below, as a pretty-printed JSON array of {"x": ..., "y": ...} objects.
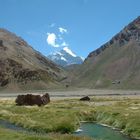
[
  {"x": 100, "y": 132},
  {"x": 93, "y": 130}
]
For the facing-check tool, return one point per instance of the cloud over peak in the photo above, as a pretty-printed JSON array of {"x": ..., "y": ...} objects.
[
  {"x": 55, "y": 38},
  {"x": 64, "y": 44},
  {"x": 51, "y": 40},
  {"x": 62, "y": 30}
]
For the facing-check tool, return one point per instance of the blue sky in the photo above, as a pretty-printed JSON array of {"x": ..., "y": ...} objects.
[{"x": 86, "y": 24}]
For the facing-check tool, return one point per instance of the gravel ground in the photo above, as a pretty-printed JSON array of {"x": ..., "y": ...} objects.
[{"x": 78, "y": 93}]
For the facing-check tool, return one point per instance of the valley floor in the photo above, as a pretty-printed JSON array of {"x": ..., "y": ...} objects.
[
  {"x": 76, "y": 93},
  {"x": 62, "y": 116}
]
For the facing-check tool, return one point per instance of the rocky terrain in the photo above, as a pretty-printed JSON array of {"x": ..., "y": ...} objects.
[
  {"x": 115, "y": 64},
  {"x": 21, "y": 67}
]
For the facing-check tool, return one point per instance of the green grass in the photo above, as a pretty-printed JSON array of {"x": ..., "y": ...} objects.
[
  {"x": 63, "y": 117},
  {"x": 6, "y": 134},
  {"x": 123, "y": 115}
]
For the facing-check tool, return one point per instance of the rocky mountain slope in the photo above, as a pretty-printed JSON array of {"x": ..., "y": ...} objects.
[
  {"x": 115, "y": 64},
  {"x": 21, "y": 67},
  {"x": 65, "y": 57}
]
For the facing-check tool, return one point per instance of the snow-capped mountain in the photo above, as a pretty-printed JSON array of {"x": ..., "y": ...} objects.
[{"x": 65, "y": 57}]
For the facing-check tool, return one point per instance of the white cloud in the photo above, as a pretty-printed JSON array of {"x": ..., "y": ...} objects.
[
  {"x": 51, "y": 40},
  {"x": 57, "y": 40},
  {"x": 62, "y": 30},
  {"x": 64, "y": 44}
]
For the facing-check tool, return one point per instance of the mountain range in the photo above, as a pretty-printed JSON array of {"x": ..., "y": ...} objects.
[
  {"x": 65, "y": 57},
  {"x": 116, "y": 64}
]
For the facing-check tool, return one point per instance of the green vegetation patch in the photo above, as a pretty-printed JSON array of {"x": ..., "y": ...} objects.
[
  {"x": 64, "y": 116},
  {"x": 6, "y": 134}
]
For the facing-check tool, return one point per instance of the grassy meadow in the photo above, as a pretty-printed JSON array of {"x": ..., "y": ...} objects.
[{"x": 62, "y": 117}]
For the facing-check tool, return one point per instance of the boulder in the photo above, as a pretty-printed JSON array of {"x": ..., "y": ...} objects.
[
  {"x": 30, "y": 99},
  {"x": 86, "y": 98}
]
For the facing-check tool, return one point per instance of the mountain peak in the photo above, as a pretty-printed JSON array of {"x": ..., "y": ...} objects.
[
  {"x": 65, "y": 57},
  {"x": 130, "y": 33},
  {"x": 116, "y": 63},
  {"x": 66, "y": 49}
]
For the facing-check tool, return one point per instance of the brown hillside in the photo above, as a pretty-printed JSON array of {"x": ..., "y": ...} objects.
[
  {"x": 21, "y": 67},
  {"x": 115, "y": 64}
]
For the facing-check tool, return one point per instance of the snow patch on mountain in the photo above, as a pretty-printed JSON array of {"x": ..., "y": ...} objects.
[
  {"x": 69, "y": 51},
  {"x": 62, "y": 58},
  {"x": 65, "y": 57},
  {"x": 82, "y": 58}
]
